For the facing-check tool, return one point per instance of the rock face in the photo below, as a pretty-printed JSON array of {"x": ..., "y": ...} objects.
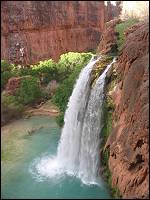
[
  {"x": 108, "y": 38},
  {"x": 112, "y": 11},
  {"x": 128, "y": 142},
  {"x": 38, "y": 30}
]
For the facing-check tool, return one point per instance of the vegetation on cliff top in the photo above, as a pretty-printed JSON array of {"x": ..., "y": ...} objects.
[
  {"x": 99, "y": 67},
  {"x": 120, "y": 29}
]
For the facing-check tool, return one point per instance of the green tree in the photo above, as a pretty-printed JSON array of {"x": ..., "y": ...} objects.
[
  {"x": 6, "y": 73},
  {"x": 29, "y": 91}
]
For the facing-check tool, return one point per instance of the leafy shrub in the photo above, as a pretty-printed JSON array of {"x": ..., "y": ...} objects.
[
  {"x": 65, "y": 72},
  {"x": 29, "y": 91},
  {"x": 4, "y": 78},
  {"x": 5, "y": 66},
  {"x": 68, "y": 62},
  {"x": 11, "y": 102},
  {"x": 60, "y": 119},
  {"x": 65, "y": 89},
  {"x": 10, "y": 108},
  {"x": 46, "y": 71},
  {"x": 120, "y": 28},
  {"x": 6, "y": 73}
]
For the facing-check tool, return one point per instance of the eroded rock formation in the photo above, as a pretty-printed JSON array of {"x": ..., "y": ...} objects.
[
  {"x": 38, "y": 30},
  {"x": 109, "y": 38},
  {"x": 112, "y": 11},
  {"x": 128, "y": 142}
]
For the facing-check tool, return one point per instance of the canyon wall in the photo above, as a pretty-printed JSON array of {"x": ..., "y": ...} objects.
[
  {"x": 38, "y": 30},
  {"x": 108, "y": 41},
  {"x": 128, "y": 141},
  {"x": 112, "y": 11}
]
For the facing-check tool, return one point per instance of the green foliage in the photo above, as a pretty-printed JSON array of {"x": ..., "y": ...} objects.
[
  {"x": 46, "y": 71},
  {"x": 10, "y": 107},
  {"x": 65, "y": 72},
  {"x": 69, "y": 61},
  {"x": 108, "y": 108},
  {"x": 6, "y": 73},
  {"x": 99, "y": 67},
  {"x": 4, "y": 78},
  {"x": 60, "y": 119},
  {"x": 29, "y": 91},
  {"x": 116, "y": 193},
  {"x": 5, "y": 66},
  {"x": 120, "y": 28},
  {"x": 65, "y": 89},
  {"x": 11, "y": 102}
]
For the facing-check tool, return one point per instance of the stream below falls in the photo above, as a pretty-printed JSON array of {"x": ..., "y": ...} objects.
[{"x": 21, "y": 154}]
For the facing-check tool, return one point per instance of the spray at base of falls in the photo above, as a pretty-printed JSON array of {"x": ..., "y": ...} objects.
[{"x": 78, "y": 149}]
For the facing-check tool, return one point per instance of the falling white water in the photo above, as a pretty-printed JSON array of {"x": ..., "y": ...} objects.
[
  {"x": 79, "y": 144},
  {"x": 90, "y": 139},
  {"x": 69, "y": 146},
  {"x": 78, "y": 149}
]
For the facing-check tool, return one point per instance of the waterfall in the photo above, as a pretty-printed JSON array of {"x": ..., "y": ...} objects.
[
  {"x": 69, "y": 146},
  {"x": 78, "y": 149},
  {"x": 90, "y": 138}
]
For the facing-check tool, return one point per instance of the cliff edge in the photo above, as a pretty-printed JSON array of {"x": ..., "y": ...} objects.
[{"x": 128, "y": 141}]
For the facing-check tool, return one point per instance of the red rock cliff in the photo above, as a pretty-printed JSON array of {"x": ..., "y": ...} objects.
[
  {"x": 128, "y": 142},
  {"x": 38, "y": 30},
  {"x": 112, "y": 11}
]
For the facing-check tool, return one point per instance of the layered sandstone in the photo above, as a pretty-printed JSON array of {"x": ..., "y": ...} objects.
[
  {"x": 38, "y": 30},
  {"x": 128, "y": 142}
]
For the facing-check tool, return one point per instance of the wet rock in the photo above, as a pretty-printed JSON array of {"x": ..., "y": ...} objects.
[{"x": 128, "y": 141}]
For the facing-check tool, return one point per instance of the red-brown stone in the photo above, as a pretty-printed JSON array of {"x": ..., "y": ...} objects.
[
  {"x": 109, "y": 37},
  {"x": 112, "y": 11},
  {"x": 47, "y": 29},
  {"x": 128, "y": 142}
]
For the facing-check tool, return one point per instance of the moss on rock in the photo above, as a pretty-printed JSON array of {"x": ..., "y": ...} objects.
[
  {"x": 99, "y": 67},
  {"x": 108, "y": 109}
]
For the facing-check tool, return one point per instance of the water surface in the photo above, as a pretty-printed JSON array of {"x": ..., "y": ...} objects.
[{"x": 21, "y": 153}]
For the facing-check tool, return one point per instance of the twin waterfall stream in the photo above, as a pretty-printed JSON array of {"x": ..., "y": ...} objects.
[{"x": 79, "y": 147}]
